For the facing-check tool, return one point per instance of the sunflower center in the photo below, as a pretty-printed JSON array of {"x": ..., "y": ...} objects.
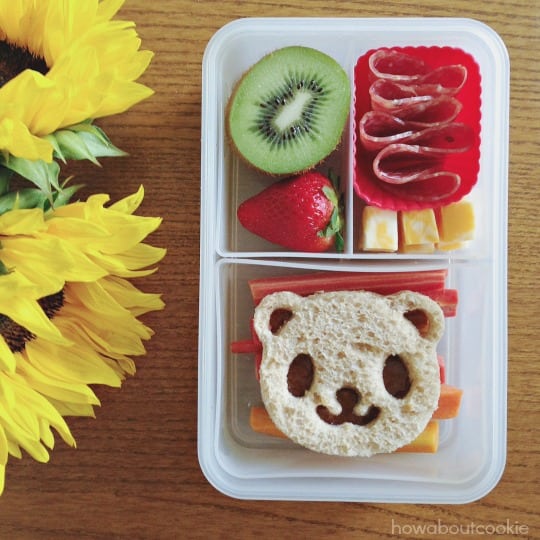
[
  {"x": 17, "y": 336},
  {"x": 15, "y": 59}
]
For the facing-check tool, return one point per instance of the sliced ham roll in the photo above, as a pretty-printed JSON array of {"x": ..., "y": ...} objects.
[
  {"x": 431, "y": 188},
  {"x": 401, "y": 68},
  {"x": 447, "y": 80},
  {"x": 396, "y": 66},
  {"x": 378, "y": 130},
  {"x": 392, "y": 96},
  {"x": 437, "y": 110},
  {"x": 402, "y": 163},
  {"x": 412, "y": 172}
]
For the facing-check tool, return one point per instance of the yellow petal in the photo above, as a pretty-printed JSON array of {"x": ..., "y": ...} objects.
[
  {"x": 127, "y": 295},
  {"x": 7, "y": 360},
  {"x": 24, "y": 221},
  {"x": 73, "y": 409},
  {"x": 56, "y": 388},
  {"x": 16, "y": 138},
  {"x": 29, "y": 314},
  {"x": 42, "y": 408},
  {"x": 3, "y": 455},
  {"x": 72, "y": 365},
  {"x": 107, "y": 9},
  {"x": 129, "y": 204}
]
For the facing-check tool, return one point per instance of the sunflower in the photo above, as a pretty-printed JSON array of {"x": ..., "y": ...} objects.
[
  {"x": 63, "y": 62},
  {"x": 69, "y": 313}
]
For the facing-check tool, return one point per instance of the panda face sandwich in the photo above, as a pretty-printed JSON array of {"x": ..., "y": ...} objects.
[{"x": 350, "y": 373}]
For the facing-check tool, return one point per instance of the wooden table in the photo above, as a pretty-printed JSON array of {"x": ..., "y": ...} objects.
[{"x": 135, "y": 472}]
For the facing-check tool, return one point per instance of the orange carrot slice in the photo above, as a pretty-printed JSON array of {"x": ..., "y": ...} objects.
[
  {"x": 449, "y": 402},
  {"x": 426, "y": 442},
  {"x": 261, "y": 422}
]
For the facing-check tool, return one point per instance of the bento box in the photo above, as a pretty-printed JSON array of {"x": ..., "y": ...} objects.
[{"x": 243, "y": 463}]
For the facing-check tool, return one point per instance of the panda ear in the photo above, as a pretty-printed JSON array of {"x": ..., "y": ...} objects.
[
  {"x": 425, "y": 314},
  {"x": 273, "y": 314}
]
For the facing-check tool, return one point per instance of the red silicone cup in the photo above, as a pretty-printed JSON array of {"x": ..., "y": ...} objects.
[{"x": 372, "y": 190}]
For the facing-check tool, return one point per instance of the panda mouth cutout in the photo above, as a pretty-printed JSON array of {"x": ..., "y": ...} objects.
[{"x": 348, "y": 398}]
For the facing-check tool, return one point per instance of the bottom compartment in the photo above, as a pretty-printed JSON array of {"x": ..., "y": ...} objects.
[{"x": 471, "y": 453}]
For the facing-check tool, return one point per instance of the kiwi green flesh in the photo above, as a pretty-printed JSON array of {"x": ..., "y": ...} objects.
[{"x": 289, "y": 110}]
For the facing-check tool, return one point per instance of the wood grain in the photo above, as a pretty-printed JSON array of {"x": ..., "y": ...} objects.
[{"x": 135, "y": 472}]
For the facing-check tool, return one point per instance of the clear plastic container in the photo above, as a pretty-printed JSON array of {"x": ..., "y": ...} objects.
[{"x": 472, "y": 448}]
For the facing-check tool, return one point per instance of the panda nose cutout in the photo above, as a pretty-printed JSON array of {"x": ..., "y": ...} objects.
[{"x": 348, "y": 398}]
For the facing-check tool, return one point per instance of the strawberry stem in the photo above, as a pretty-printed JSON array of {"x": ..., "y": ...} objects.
[{"x": 336, "y": 223}]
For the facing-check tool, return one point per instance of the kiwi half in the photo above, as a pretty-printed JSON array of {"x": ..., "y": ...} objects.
[{"x": 287, "y": 113}]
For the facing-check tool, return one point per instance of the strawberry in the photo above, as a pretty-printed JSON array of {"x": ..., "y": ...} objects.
[{"x": 302, "y": 213}]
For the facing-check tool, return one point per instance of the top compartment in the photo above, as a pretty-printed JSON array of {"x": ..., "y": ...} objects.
[{"x": 239, "y": 46}]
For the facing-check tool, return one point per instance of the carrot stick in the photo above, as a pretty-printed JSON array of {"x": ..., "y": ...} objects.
[
  {"x": 424, "y": 281},
  {"x": 426, "y": 442},
  {"x": 449, "y": 402},
  {"x": 261, "y": 422}
]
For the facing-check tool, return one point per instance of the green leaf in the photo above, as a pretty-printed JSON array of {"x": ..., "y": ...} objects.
[
  {"x": 100, "y": 145},
  {"x": 331, "y": 195},
  {"x": 57, "y": 152},
  {"x": 63, "y": 197},
  {"x": 72, "y": 146},
  {"x": 4, "y": 270},
  {"x": 5, "y": 179},
  {"x": 335, "y": 179},
  {"x": 336, "y": 223},
  {"x": 83, "y": 141},
  {"x": 24, "y": 198},
  {"x": 339, "y": 243},
  {"x": 35, "y": 198},
  {"x": 43, "y": 175}
]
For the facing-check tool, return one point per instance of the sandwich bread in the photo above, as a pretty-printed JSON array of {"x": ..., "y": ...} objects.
[{"x": 324, "y": 366}]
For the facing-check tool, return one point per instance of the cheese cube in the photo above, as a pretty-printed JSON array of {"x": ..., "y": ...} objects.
[
  {"x": 456, "y": 222},
  {"x": 379, "y": 229},
  {"x": 418, "y": 248},
  {"x": 449, "y": 246},
  {"x": 419, "y": 227}
]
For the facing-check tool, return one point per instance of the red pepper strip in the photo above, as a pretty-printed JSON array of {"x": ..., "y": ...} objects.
[{"x": 422, "y": 281}]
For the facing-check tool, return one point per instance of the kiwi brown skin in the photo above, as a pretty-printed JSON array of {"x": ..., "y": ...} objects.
[{"x": 247, "y": 162}]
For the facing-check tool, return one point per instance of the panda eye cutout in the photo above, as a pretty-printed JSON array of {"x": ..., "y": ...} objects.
[
  {"x": 300, "y": 375},
  {"x": 419, "y": 318},
  {"x": 396, "y": 377},
  {"x": 279, "y": 318}
]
